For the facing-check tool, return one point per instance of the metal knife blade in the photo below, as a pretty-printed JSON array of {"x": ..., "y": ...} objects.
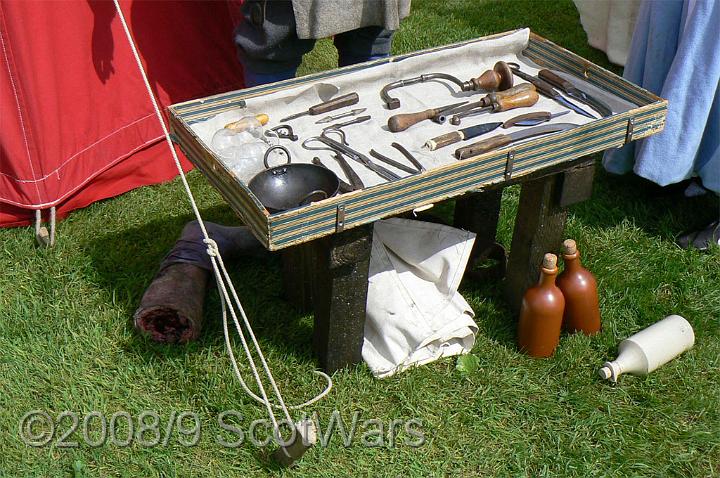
[
  {"x": 540, "y": 130},
  {"x": 533, "y": 119},
  {"x": 575, "y": 92},
  {"x": 591, "y": 101},
  {"x": 547, "y": 89},
  {"x": 563, "y": 101},
  {"x": 460, "y": 135},
  {"x": 477, "y": 130},
  {"x": 501, "y": 140}
]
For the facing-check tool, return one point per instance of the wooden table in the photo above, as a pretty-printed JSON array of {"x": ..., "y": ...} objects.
[
  {"x": 330, "y": 275},
  {"x": 327, "y": 244}
]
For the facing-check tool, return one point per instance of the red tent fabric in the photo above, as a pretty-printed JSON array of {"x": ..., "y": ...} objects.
[{"x": 76, "y": 124}]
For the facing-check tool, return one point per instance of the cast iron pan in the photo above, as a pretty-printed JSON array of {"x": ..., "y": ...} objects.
[{"x": 292, "y": 185}]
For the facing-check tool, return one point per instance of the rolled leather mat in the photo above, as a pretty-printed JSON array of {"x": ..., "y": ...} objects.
[{"x": 171, "y": 310}]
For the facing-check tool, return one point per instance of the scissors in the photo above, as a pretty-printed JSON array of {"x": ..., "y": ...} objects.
[{"x": 341, "y": 147}]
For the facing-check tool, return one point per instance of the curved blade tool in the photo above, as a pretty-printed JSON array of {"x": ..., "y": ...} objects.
[{"x": 501, "y": 140}]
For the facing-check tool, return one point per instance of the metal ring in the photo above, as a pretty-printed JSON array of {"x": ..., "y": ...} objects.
[
  {"x": 309, "y": 195},
  {"x": 271, "y": 148}
]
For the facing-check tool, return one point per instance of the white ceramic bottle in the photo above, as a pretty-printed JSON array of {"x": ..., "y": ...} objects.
[{"x": 650, "y": 348}]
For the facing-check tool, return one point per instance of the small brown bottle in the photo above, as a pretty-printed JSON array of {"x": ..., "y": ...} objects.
[
  {"x": 541, "y": 313},
  {"x": 582, "y": 311}
]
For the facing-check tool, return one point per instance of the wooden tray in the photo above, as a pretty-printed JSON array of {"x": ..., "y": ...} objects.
[{"x": 280, "y": 230}]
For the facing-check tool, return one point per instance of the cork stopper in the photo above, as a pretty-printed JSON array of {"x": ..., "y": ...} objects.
[
  {"x": 549, "y": 261},
  {"x": 569, "y": 247}
]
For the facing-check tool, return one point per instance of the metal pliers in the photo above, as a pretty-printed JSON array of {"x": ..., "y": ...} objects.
[{"x": 343, "y": 148}]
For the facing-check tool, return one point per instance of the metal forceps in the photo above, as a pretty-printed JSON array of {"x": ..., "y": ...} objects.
[{"x": 341, "y": 147}]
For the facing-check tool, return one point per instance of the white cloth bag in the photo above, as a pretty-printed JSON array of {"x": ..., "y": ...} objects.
[{"x": 415, "y": 314}]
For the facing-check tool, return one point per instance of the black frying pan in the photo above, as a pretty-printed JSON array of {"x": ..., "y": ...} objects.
[{"x": 292, "y": 185}]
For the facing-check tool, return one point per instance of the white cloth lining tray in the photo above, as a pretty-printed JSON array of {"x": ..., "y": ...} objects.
[{"x": 464, "y": 62}]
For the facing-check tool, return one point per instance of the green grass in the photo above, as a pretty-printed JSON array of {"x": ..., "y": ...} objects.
[{"x": 67, "y": 342}]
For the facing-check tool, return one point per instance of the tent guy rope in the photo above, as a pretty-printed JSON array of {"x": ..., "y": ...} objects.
[{"x": 225, "y": 284}]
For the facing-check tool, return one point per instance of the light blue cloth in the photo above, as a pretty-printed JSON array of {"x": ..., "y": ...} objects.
[{"x": 675, "y": 53}]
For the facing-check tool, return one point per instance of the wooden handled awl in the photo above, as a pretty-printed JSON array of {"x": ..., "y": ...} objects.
[
  {"x": 497, "y": 102},
  {"x": 397, "y": 123},
  {"x": 325, "y": 106},
  {"x": 487, "y": 100}
]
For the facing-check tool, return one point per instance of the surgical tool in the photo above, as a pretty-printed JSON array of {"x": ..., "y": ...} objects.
[
  {"x": 325, "y": 106},
  {"x": 342, "y": 147},
  {"x": 360, "y": 119},
  {"x": 330, "y": 118},
  {"x": 282, "y": 131},
  {"x": 523, "y": 97},
  {"x": 501, "y": 140},
  {"x": 344, "y": 187},
  {"x": 528, "y": 119},
  {"x": 419, "y": 168},
  {"x": 575, "y": 93},
  {"x": 401, "y": 122},
  {"x": 547, "y": 89},
  {"x": 499, "y": 78}
]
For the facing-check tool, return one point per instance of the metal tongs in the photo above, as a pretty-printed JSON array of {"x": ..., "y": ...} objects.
[
  {"x": 419, "y": 168},
  {"x": 343, "y": 148}
]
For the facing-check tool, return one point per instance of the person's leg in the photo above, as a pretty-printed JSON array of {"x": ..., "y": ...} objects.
[
  {"x": 363, "y": 44},
  {"x": 268, "y": 47}
]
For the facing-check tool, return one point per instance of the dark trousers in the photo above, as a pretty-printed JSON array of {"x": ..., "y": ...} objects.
[{"x": 269, "y": 49}]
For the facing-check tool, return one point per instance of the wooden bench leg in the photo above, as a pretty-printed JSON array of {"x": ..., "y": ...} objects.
[
  {"x": 479, "y": 213},
  {"x": 540, "y": 225},
  {"x": 539, "y": 228},
  {"x": 340, "y": 296},
  {"x": 298, "y": 270}
]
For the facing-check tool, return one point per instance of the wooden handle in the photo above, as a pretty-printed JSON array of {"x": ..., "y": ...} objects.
[
  {"x": 444, "y": 140},
  {"x": 483, "y": 146},
  {"x": 499, "y": 78},
  {"x": 335, "y": 103},
  {"x": 515, "y": 90},
  {"x": 544, "y": 87},
  {"x": 554, "y": 79},
  {"x": 522, "y": 100},
  {"x": 402, "y": 122},
  {"x": 540, "y": 116}
]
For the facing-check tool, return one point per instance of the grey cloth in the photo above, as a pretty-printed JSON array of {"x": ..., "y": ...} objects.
[
  {"x": 324, "y": 18},
  {"x": 231, "y": 242}
]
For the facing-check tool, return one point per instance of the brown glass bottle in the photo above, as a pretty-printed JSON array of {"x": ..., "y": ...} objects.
[
  {"x": 578, "y": 285},
  {"x": 541, "y": 313}
]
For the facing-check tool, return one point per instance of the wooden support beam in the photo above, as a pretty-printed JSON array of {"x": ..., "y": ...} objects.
[
  {"x": 539, "y": 228},
  {"x": 479, "y": 213},
  {"x": 577, "y": 184},
  {"x": 340, "y": 295},
  {"x": 298, "y": 270}
]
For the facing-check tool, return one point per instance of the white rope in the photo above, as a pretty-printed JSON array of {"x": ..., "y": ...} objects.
[{"x": 223, "y": 280}]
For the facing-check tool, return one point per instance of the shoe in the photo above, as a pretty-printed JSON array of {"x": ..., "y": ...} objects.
[{"x": 702, "y": 239}]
